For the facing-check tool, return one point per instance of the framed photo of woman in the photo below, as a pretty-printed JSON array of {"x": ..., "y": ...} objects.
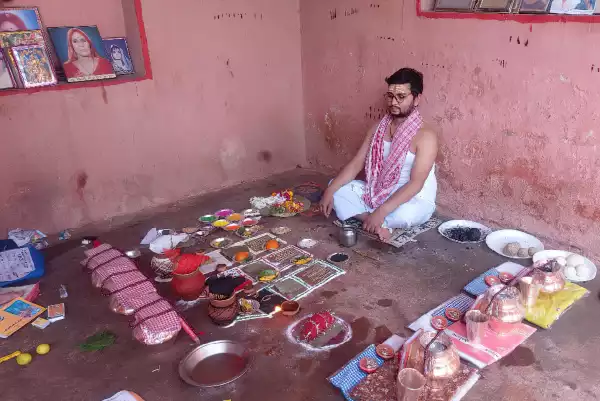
[
  {"x": 118, "y": 52},
  {"x": 81, "y": 52},
  {"x": 20, "y": 19},
  {"x": 581, "y": 7},
  {"x": 33, "y": 65},
  {"x": 6, "y": 78}
]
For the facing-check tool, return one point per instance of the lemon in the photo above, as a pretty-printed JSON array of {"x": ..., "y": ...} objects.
[
  {"x": 43, "y": 349},
  {"x": 24, "y": 359}
]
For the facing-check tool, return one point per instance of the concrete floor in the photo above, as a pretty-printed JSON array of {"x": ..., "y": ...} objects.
[{"x": 378, "y": 298}]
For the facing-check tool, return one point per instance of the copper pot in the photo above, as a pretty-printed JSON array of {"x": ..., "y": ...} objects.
[
  {"x": 505, "y": 310},
  {"x": 550, "y": 274},
  {"x": 441, "y": 360}
]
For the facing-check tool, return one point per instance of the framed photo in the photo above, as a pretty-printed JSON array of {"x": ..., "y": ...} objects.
[
  {"x": 454, "y": 5},
  {"x": 118, "y": 53},
  {"x": 498, "y": 6},
  {"x": 81, "y": 52},
  {"x": 533, "y": 6},
  {"x": 581, "y": 7},
  {"x": 20, "y": 19},
  {"x": 33, "y": 65},
  {"x": 21, "y": 38},
  {"x": 7, "y": 80}
]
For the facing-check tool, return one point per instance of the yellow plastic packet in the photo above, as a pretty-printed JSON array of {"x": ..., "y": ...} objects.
[{"x": 549, "y": 307}]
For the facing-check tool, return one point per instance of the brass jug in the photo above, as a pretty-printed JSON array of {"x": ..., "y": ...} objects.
[
  {"x": 441, "y": 359},
  {"x": 505, "y": 310},
  {"x": 550, "y": 274}
]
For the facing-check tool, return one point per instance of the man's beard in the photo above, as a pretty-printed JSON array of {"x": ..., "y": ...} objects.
[{"x": 404, "y": 114}]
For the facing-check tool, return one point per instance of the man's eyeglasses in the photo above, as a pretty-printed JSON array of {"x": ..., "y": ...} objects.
[{"x": 389, "y": 96}]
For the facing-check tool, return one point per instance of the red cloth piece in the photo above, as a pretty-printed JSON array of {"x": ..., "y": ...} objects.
[{"x": 189, "y": 263}]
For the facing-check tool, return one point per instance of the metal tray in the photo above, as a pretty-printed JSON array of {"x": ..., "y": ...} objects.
[{"x": 215, "y": 364}]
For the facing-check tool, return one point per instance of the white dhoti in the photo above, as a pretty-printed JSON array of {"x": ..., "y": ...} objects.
[{"x": 348, "y": 202}]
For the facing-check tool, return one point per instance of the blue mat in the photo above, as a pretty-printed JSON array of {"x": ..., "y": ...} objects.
[{"x": 350, "y": 375}]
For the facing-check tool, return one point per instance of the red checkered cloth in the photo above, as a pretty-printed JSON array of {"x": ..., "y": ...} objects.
[
  {"x": 382, "y": 175},
  {"x": 101, "y": 255},
  {"x": 123, "y": 281},
  {"x": 121, "y": 301},
  {"x": 154, "y": 322}
]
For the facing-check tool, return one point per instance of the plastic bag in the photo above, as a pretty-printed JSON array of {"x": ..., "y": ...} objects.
[{"x": 550, "y": 307}]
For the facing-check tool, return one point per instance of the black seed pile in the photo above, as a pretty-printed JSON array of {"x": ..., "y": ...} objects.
[{"x": 463, "y": 234}]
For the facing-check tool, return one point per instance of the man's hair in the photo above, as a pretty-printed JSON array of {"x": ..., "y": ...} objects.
[{"x": 407, "y": 76}]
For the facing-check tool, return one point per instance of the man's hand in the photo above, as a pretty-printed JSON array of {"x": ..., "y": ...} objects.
[
  {"x": 326, "y": 203},
  {"x": 374, "y": 222}
]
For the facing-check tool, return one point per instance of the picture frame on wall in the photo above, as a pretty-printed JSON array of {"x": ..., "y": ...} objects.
[
  {"x": 21, "y": 38},
  {"x": 34, "y": 66},
  {"x": 573, "y": 7},
  {"x": 20, "y": 19},
  {"x": 454, "y": 5},
  {"x": 118, "y": 53},
  {"x": 7, "y": 80},
  {"x": 80, "y": 50},
  {"x": 533, "y": 6},
  {"x": 496, "y": 6}
]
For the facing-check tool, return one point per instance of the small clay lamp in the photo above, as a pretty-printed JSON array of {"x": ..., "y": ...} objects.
[{"x": 290, "y": 308}]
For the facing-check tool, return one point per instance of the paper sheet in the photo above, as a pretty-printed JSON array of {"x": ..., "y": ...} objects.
[
  {"x": 15, "y": 264},
  {"x": 124, "y": 396},
  {"x": 217, "y": 258}
]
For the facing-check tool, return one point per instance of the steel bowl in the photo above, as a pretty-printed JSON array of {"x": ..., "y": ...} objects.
[
  {"x": 133, "y": 253},
  {"x": 215, "y": 364}
]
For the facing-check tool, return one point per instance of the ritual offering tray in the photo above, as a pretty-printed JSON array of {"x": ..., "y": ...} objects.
[
  {"x": 224, "y": 213},
  {"x": 368, "y": 365},
  {"x": 577, "y": 268},
  {"x": 249, "y": 222},
  {"x": 220, "y": 243},
  {"x": 221, "y": 223},
  {"x": 231, "y": 252},
  {"x": 321, "y": 330},
  {"x": 232, "y": 227},
  {"x": 215, "y": 364},
  {"x": 208, "y": 218},
  {"x": 513, "y": 244},
  {"x": 234, "y": 217},
  {"x": 464, "y": 231},
  {"x": 384, "y": 351}
]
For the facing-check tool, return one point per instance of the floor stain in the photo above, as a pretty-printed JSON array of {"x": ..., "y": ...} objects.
[
  {"x": 305, "y": 365},
  {"x": 386, "y": 303},
  {"x": 360, "y": 329},
  {"x": 521, "y": 356},
  {"x": 382, "y": 333},
  {"x": 328, "y": 294}
]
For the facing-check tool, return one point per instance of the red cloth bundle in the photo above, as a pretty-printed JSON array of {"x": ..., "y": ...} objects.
[
  {"x": 154, "y": 322},
  {"x": 316, "y": 325},
  {"x": 189, "y": 263}
]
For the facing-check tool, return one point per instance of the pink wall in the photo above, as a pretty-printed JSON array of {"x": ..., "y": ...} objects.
[
  {"x": 224, "y": 106},
  {"x": 516, "y": 105}
]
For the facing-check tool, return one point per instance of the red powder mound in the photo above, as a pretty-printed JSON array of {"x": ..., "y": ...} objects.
[
  {"x": 189, "y": 263},
  {"x": 316, "y": 325}
]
